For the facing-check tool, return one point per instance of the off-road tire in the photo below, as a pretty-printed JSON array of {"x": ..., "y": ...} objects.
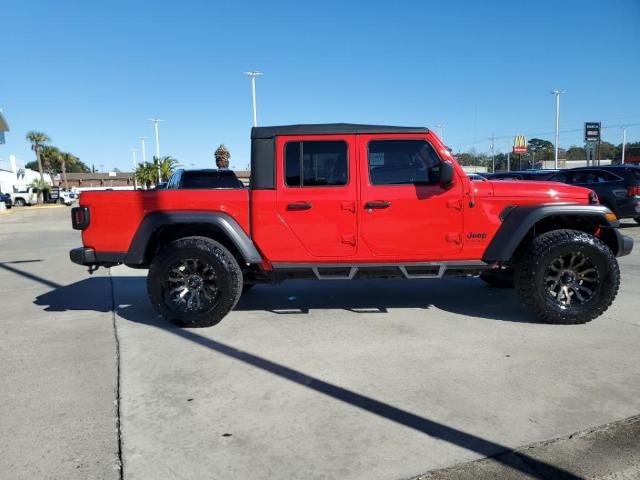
[
  {"x": 537, "y": 261},
  {"x": 215, "y": 257},
  {"x": 498, "y": 278}
]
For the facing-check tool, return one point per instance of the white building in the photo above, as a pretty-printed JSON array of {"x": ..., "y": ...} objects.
[{"x": 13, "y": 179}]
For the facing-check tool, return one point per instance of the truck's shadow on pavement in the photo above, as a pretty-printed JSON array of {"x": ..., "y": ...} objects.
[{"x": 468, "y": 297}]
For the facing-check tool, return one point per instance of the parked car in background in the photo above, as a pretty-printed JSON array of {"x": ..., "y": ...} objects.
[
  {"x": 6, "y": 198},
  {"x": 204, "y": 179},
  {"x": 67, "y": 197},
  {"x": 28, "y": 196},
  {"x": 475, "y": 177},
  {"x": 617, "y": 186},
  {"x": 521, "y": 175}
]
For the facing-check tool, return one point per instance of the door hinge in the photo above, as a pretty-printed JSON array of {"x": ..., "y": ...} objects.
[
  {"x": 457, "y": 204},
  {"x": 454, "y": 238},
  {"x": 348, "y": 239},
  {"x": 350, "y": 206}
]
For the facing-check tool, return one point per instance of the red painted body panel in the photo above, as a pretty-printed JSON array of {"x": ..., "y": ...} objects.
[
  {"x": 116, "y": 215},
  {"x": 422, "y": 223}
]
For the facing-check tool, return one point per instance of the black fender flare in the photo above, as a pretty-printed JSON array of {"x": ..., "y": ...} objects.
[
  {"x": 155, "y": 220},
  {"x": 520, "y": 219}
]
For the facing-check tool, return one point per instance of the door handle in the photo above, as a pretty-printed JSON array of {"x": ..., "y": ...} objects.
[
  {"x": 377, "y": 204},
  {"x": 299, "y": 206}
]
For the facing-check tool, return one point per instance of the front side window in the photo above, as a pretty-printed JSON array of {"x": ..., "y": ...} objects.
[
  {"x": 402, "y": 162},
  {"x": 315, "y": 163}
]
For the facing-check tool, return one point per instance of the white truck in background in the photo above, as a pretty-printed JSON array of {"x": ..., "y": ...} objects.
[{"x": 28, "y": 196}]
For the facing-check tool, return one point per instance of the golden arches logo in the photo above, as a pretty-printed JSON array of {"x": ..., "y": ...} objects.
[{"x": 520, "y": 144}]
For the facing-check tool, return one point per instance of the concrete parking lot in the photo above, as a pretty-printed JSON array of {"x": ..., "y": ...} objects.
[{"x": 321, "y": 380}]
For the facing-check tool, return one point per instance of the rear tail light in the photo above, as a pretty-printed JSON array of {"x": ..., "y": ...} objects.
[
  {"x": 633, "y": 191},
  {"x": 80, "y": 218}
]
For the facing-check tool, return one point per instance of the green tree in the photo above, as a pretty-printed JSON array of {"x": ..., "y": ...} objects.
[
  {"x": 222, "y": 156},
  {"x": 38, "y": 140},
  {"x": 576, "y": 153},
  {"x": 146, "y": 174},
  {"x": 541, "y": 149}
]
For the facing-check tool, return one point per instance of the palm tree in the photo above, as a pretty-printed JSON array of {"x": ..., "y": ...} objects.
[
  {"x": 222, "y": 156},
  {"x": 168, "y": 165},
  {"x": 37, "y": 140},
  {"x": 146, "y": 173},
  {"x": 66, "y": 159}
]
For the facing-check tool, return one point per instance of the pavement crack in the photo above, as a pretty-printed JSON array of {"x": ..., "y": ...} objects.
[{"x": 118, "y": 376}]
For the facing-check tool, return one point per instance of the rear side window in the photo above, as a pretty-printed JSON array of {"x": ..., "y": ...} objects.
[
  {"x": 207, "y": 180},
  {"x": 315, "y": 163},
  {"x": 402, "y": 162}
]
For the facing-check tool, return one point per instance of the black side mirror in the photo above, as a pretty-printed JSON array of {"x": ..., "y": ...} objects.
[{"x": 446, "y": 174}]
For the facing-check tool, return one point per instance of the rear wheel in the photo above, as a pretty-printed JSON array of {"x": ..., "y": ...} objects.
[
  {"x": 194, "y": 282},
  {"x": 20, "y": 202},
  {"x": 567, "y": 277}
]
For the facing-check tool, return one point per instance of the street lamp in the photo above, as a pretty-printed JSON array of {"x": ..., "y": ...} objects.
[
  {"x": 440, "y": 128},
  {"x": 156, "y": 121},
  {"x": 557, "y": 93},
  {"x": 144, "y": 150},
  {"x": 135, "y": 166},
  {"x": 624, "y": 142},
  {"x": 253, "y": 74}
]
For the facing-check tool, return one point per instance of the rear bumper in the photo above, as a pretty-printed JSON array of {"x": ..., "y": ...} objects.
[{"x": 89, "y": 257}]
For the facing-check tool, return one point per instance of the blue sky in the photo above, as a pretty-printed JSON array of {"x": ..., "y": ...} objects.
[{"x": 90, "y": 74}]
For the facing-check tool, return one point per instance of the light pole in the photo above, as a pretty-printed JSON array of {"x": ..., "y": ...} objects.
[
  {"x": 135, "y": 166},
  {"x": 253, "y": 74},
  {"x": 156, "y": 121},
  {"x": 493, "y": 158},
  {"x": 440, "y": 128},
  {"x": 144, "y": 150},
  {"x": 557, "y": 93},
  {"x": 624, "y": 142}
]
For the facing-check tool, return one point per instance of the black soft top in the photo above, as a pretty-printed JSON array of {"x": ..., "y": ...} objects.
[{"x": 329, "y": 129}]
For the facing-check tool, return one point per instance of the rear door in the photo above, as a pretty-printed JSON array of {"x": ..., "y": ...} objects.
[
  {"x": 317, "y": 191},
  {"x": 406, "y": 213}
]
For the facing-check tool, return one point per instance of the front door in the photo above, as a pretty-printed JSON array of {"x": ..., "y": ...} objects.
[
  {"x": 317, "y": 192},
  {"x": 407, "y": 214}
]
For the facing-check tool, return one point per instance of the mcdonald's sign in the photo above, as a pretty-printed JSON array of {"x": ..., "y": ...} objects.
[{"x": 520, "y": 144}]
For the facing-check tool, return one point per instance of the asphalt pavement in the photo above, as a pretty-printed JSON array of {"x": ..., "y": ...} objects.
[{"x": 376, "y": 379}]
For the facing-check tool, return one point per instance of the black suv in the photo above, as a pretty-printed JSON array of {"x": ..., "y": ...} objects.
[
  {"x": 617, "y": 186},
  {"x": 521, "y": 175},
  {"x": 204, "y": 179}
]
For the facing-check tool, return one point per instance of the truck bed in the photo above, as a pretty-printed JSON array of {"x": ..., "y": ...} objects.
[{"x": 116, "y": 215}]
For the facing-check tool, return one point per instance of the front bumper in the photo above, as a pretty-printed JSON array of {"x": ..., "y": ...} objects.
[
  {"x": 625, "y": 244},
  {"x": 90, "y": 258}
]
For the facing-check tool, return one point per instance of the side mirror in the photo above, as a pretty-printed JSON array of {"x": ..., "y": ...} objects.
[{"x": 446, "y": 174}]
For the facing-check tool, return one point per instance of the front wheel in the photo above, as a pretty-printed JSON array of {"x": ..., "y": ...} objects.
[
  {"x": 567, "y": 277},
  {"x": 194, "y": 282}
]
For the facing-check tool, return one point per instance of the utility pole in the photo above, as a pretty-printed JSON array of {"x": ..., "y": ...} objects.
[
  {"x": 144, "y": 150},
  {"x": 508, "y": 161},
  {"x": 624, "y": 142},
  {"x": 493, "y": 158},
  {"x": 135, "y": 167},
  {"x": 156, "y": 121},
  {"x": 253, "y": 74},
  {"x": 557, "y": 93}
]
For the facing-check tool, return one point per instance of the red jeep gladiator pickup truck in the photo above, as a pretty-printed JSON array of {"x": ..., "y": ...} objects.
[{"x": 343, "y": 201}]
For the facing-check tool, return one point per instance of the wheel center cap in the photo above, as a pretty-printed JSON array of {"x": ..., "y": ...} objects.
[
  {"x": 567, "y": 277},
  {"x": 195, "y": 282}
]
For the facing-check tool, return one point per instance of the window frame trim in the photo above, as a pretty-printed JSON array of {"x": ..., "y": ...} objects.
[
  {"x": 301, "y": 141},
  {"x": 414, "y": 184}
]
